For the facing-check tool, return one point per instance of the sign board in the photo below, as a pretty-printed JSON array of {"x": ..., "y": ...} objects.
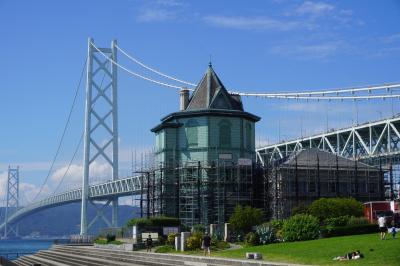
[
  {"x": 154, "y": 236},
  {"x": 170, "y": 230},
  {"x": 225, "y": 156},
  {"x": 245, "y": 162}
]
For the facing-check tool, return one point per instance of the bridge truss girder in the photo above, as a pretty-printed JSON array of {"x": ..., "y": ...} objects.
[
  {"x": 362, "y": 142},
  {"x": 106, "y": 191}
]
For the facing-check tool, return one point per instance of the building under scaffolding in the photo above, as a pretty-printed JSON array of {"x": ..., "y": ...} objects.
[
  {"x": 311, "y": 174},
  {"x": 204, "y": 165},
  {"x": 198, "y": 193},
  {"x": 205, "y": 157}
]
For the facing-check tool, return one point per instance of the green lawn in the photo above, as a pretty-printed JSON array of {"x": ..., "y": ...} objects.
[{"x": 321, "y": 252}]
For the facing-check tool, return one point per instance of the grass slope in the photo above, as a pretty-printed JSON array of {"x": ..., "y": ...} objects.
[{"x": 321, "y": 251}]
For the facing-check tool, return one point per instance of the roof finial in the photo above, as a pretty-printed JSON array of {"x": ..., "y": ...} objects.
[{"x": 209, "y": 63}]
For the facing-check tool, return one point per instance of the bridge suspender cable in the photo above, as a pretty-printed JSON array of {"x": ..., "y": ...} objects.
[
  {"x": 64, "y": 131},
  {"x": 69, "y": 165}
]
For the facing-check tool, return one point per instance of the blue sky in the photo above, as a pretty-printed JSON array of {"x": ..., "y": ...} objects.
[{"x": 255, "y": 46}]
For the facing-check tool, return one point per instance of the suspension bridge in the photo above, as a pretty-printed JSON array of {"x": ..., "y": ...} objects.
[{"x": 377, "y": 139}]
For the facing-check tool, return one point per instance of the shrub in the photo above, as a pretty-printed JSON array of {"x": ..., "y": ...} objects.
[
  {"x": 244, "y": 218},
  {"x": 337, "y": 221},
  {"x": 105, "y": 242},
  {"x": 221, "y": 245},
  {"x": 199, "y": 228},
  {"x": 161, "y": 240},
  {"x": 218, "y": 244},
  {"x": 101, "y": 241},
  {"x": 171, "y": 239},
  {"x": 324, "y": 208},
  {"x": 300, "y": 227},
  {"x": 115, "y": 242},
  {"x": 252, "y": 239},
  {"x": 301, "y": 209},
  {"x": 154, "y": 221},
  {"x": 110, "y": 238},
  {"x": 266, "y": 233},
  {"x": 276, "y": 224},
  {"x": 164, "y": 249},
  {"x": 194, "y": 241},
  {"x": 357, "y": 221},
  {"x": 331, "y": 231}
]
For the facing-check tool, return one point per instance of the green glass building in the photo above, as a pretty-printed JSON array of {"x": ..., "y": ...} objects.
[{"x": 205, "y": 155}]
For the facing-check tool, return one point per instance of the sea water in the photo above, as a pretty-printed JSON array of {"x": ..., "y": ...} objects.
[{"x": 12, "y": 249}]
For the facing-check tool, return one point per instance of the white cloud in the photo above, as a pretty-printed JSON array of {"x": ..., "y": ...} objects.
[
  {"x": 172, "y": 3},
  {"x": 318, "y": 51},
  {"x": 156, "y": 15},
  {"x": 392, "y": 38},
  {"x": 314, "y": 8},
  {"x": 3, "y": 184},
  {"x": 159, "y": 11},
  {"x": 29, "y": 191},
  {"x": 98, "y": 171},
  {"x": 250, "y": 23},
  {"x": 30, "y": 166}
]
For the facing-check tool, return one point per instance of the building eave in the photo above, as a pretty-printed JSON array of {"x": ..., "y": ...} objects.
[
  {"x": 210, "y": 112},
  {"x": 165, "y": 125}
]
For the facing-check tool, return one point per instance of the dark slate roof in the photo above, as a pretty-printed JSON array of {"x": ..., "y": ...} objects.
[
  {"x": 166, "y": 125},
  {"x": 210, "y": 98},
  {"x": 308, "y": 157},
  {"x": 210, "y": 93}
]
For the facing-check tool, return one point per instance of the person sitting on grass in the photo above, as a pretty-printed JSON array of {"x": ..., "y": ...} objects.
[{"x": 355, "y": 255}]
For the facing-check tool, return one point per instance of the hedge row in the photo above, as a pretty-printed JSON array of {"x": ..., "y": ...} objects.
[
  {"x": 330, "y": 231},
  {"x": 155, "y": 221}
]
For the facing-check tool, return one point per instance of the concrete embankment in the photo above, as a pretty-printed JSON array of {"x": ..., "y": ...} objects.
[{"x": 60, "y": 255}]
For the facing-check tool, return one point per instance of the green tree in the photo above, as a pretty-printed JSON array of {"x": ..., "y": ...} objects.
[
  {"x": 301, "y": 209},
  {"x": 244, "y": 218},
  {"x": 324, "y": 208}
]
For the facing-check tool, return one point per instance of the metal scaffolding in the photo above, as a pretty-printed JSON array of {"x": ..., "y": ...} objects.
[
  {"x": 295, "y": 185},
  {"x": 200, "y": 192}
]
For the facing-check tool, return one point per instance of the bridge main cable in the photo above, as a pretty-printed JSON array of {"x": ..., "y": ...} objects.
[
  {"x": 292, "y": 95},
  {"x": 136, "y": 74}
]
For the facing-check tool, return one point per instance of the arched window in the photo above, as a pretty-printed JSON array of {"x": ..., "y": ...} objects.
[
  {"x": 249, "y": 136},
  {"x": 192, "y": 133},
  {"x": 225, "y": 133}
]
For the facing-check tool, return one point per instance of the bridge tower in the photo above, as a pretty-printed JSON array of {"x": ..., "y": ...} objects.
[
  {"x": 101, "y": 126},
  {"x": 12, "y": 203}
]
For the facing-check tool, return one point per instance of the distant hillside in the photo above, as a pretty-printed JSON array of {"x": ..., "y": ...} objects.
[{"x": 65, "y": 220}]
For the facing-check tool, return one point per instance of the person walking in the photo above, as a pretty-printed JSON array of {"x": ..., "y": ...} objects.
[
  {"x": 382, "y": 227},
  {"x": 206, "y": 244},
  {"x": 149, "y": 243}
]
